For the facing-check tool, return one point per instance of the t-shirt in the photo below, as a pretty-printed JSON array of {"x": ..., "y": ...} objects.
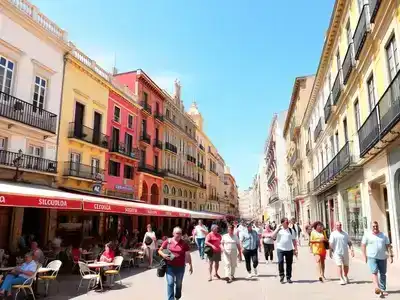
[
  {"x": 376, "y": 244},
  {"x": 339, "y": 241},
  {"x": 319, "y": 247},
  {"x": 268, "y": 239},
  {"x": 230, "y": 242},
  {"x": 284, "y": 239},
  {"x": 107, "y": 256},
  {"x": 215, "y": 240},
  {"x": 28, "y": 267},
  {"x": 199, "y": 231},
  {"x": 249, "y": 239},
  {"x": 178, "y": 249}
]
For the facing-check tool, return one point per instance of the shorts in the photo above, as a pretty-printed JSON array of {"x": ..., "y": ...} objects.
[
  {"x": 321, "y": 255},
  {"x": 341, "y": 259},
  {"x": 215, "y": 257}
]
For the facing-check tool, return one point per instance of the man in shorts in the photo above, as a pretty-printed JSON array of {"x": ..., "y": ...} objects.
[{"x": 339, "y": 245}]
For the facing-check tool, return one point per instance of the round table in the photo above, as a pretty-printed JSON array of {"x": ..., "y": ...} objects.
[
  {"x": 100, "y": 265},
  {"x": 7, "y": 269}
]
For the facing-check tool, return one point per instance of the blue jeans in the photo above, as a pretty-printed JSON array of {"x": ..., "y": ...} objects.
[
  {"x": 200, "y": 244},
  {"x": 174, "y": 277},
  {"x": 379, "y": 266},
  {"x": 11, "y": 280}
]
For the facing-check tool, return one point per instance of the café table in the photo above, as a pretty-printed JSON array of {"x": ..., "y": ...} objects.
[
  {"x": 100, "y": 265},
  {"x": 6, "y": 269}
]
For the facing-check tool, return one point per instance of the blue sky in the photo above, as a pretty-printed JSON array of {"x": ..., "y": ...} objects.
[{"x": 237, "y": 59}]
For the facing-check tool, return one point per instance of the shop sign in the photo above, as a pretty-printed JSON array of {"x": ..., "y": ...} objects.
[
  {"x": 122, "y": 187},
  {"x": 38, "y": 202}
]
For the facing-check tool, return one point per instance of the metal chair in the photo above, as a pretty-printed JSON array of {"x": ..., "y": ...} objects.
[
  {"x": 27, "y": 285},
  {"x": 115, "y": 272},
  {"x": 89, "y": 275},
  {"x": 55, "y": 266}
]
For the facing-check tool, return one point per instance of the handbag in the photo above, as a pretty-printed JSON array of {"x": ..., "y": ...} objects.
[
  {"x": 148, "y": 241},
  {"x": 162, "y": 268},
  {"x": 326, "y": 244},
  {"x": 208, "y": 250}
]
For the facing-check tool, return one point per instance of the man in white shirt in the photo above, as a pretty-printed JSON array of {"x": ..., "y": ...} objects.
[
  {"x": 200, "y": 237},
  {"x": 339, "y": 244},
  {"x": 286, "y": 246}
]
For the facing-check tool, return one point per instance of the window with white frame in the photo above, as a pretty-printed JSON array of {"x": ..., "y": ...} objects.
[
  {"x": 36, "y": 151},
  {"x": 39, "y": 93},
  {"x": 117, "y": 114},
  {"x": 3, "y": 143},
  {"x": 357, "y": 114},
  {"x": 371, "y": 92},
  {"x": 95, "y": 164},
  {"x": 392, "y": 57},
  {"x": 130, "y": 121},
  {"x": 6, "y": 75}
]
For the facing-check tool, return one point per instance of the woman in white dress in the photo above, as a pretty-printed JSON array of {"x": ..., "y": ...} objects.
[
  {"x": 149, "y": 244},
  {"x": 231, "y": 252}
]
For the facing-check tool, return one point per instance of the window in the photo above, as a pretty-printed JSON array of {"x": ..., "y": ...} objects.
[
  {"x": 145, "y": 97},
  {"x": 185, "y": 205},
  {"x": 39, "y": 93},
  {"x": 348, "y": 33},
  {"x": 339, "y": 65},
  {"x": 117, "y": 113},
  {"x": 95, "y": 164},
  {"x": 322, "y": 160},
  {"x": 179, "y": 192},
  {"x": 165, "y": 201},
  {"x": 114, "y": 168},
  {"x": 180, "y": 203},
  {"x": 185, "y": 193},
  {"x": 35, "y": 150},
  {"x": 337, "y": 141},
  {"x": 128, "y": 172},
  {"x": 3, "y": 143},
  {"x": 173, "y": 191},
  {"x": 190, "y": 205},
  {"x": 166, "y": 189},
  {"x": 392, "y": 58},
  {"x": 346, "y": 137},
  {"x": 173, "y": 202},
  {"x": 130, "y": 121},
  {"x": 6, "y": 75},
  {"x": 357, "y": 114},
  {"x": 332, "y": 139},
  {"x": 371, "y": 92}
]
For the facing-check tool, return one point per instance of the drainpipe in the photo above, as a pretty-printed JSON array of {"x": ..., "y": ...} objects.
[{"x": 60, "y": 111}]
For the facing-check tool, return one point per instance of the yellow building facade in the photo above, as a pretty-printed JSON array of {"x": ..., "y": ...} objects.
[
  {"x": 348, "y": 112},
  {"x": 83, "y": 121}
]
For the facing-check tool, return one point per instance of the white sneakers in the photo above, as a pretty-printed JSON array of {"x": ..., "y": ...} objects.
[
  {"x": 249, "y": 276},
  {"x": 255, "y": 273},
  {"x": 344, "y": 280}
]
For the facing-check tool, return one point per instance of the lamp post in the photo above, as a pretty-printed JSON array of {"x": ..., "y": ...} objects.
[{"x": 17, "y": 163}]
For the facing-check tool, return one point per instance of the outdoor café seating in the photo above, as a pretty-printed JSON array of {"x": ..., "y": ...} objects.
[
  {"x": 27, "y": 285},
  {"x": 51, "y": 272},
  {"x": 116, "y": 271}
]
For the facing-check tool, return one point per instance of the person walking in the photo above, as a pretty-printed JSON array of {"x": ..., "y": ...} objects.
[
  {"x": 339, "y": 244},
  {"x": 317, "y": 241},
  {"x": 250, "y": 242},
  {"x": 268, "y": 243},
  {"x": 374, "y": 246},
  {"x": 286, "y": 247},
  {"x": 200, "y": 237},
  {"x": 213, "y": 240},
  {"x": 297, "y": 229},
  {"x": 149, "y": 244},
  {"x": 176, "y": 253},
  {"x": 231, "y": 252}
]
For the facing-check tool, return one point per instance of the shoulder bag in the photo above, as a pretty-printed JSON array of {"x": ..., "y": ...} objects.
[{"x": 162, "y": 268}]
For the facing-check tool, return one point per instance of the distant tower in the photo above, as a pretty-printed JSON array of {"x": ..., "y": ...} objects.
[{"x": 196, "y": 115}]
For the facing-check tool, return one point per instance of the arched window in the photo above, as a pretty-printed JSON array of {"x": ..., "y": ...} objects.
[
  {"x": 185, "y": 193},
  {"x": 166, "y": 189},
  {"x": 179, "y": 193},
  {"x": 190, "y": 194},
  {"x": 173, "y": 191}
]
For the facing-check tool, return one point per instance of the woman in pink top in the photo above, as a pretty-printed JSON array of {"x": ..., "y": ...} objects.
[{"x": 213, "y": 240}]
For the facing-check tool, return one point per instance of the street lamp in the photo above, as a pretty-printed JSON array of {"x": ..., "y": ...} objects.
[{"x": 17, "y": 163}]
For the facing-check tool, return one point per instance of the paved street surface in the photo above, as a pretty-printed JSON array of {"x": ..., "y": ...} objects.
[{"x": 143, "y": 284}]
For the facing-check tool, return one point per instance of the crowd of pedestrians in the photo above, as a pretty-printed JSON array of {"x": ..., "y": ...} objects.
[{"x": 246, "y": 241}]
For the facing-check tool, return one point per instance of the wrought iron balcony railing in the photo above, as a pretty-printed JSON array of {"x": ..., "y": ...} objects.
[
  {"x": 76, "y": 169},
  {"x": 170, "y": 147},
  {"x": 18, "y": 110},
  {"x": 146, "y": 106},
  {"x": 86, "y": 134},
  {"x": 293, "y": 158},
  {"x": 201, "y": 165},
  {"x": 327, "y": 109},
  {"x": 191, "y": 158},
  {"x": 123, "y": 149},
  {"x": 273, "y": 198},
  {"x": 145, "y": 137},
  {"x": 158, "y": 144},
  {"x": 201, "y": 147},
  {"x": 348, "y": 63},
  {"x": 373, "y": 9},
  {"x": 337, "y": 88},
  {"x": 308, "y": 147},
  {"x": 151, "y": 169},
  {"x": 362, "y": 29},
  {"x": 317, "y": 130},
  {"x": 29, "y": 162},
  {"x": 180, "y": 174},
  {"x": 158, "y": 116}
]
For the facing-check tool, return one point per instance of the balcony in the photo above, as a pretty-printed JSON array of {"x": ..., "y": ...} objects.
[
  {"x": 214, "y": 172},
  {"x": 203, "y": 185},
  {"x": 361, "y": 32},
  {"x": 146, "y": 107},
  {"x": 348, "y": 63},
  {"x": 309, "y": 187},
  {"x": 373, "y": 9},
  {"x": 158, "y": 116},
  {"x": 317, "y": 130},
  {"x": 202, "y": 147},
  {"x": 382, "y": 121},
  {"x": 144, "y": 137},
  {"x": 190, "y": 158},
  {"x": 27, "y": 162},
  {"x": 75, "y": 169},
  {"x": 336, "y": 88},
  {"x": 271, "y": 178},
  {"x": 122, "y": 148},
  {"x": 170, "y": 147},
  {"x": 158, "y": 144},
  {"x": 151, "y": 170},
  {"x": 338, "y": 167},
  {"x": 201, "y": 165},
  {"x": 327, "y": 109},
  {"x": 273, "y": 198},
  {"x": 308, "y": 147},
  {"x": 18, "y": 110},
  {"x": 182, "y": 175},
  {"x": 293, "y": 158},
  {"x": 88, "y": 135},
  {"x": 294, "y": 130}
]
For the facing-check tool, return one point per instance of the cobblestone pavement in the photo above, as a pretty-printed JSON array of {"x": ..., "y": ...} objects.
[{"x": 142, "y": 284}]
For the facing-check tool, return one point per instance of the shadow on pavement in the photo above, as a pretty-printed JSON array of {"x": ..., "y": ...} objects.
[
  {"x": 360, "y": 282},
  {"x": 305, "y": 281}
]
